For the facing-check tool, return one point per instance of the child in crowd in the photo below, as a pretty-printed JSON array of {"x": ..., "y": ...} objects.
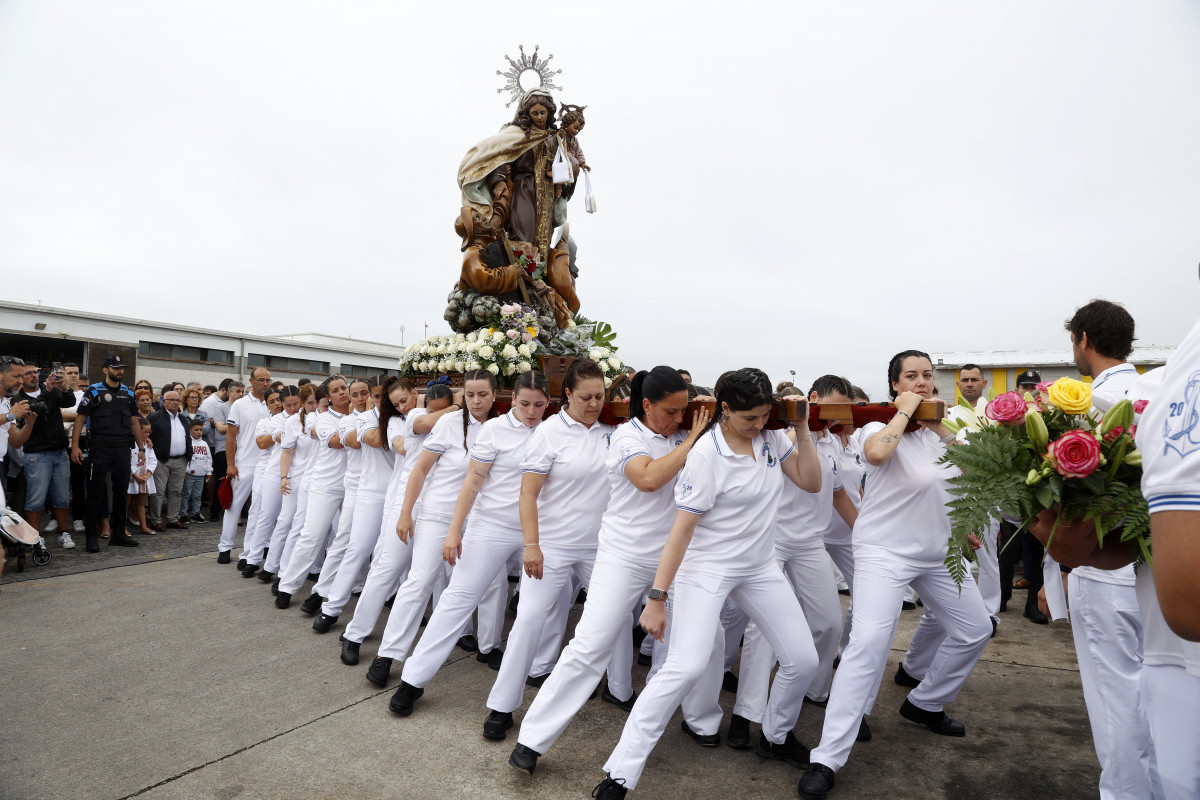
[
  {"x": 141, "y": 476},
  {"x": 199, "y": 468}
]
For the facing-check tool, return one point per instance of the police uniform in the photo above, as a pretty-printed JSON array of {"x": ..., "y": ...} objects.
[{"x": 109, "y": 412}]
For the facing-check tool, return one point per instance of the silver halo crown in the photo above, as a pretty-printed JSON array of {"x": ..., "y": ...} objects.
[{"x": 527, "y": 64}]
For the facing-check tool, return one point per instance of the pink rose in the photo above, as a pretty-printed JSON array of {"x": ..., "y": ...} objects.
[
  {"x": 513, "y": 335},
  {"x": 526, "y": 337},
  {"x": 1008, "y": 408},
  {"x": 1044, "y": 386},
  {"x": 1113, "y": 435},
  {"x": 1140, "y": 405},
  {"x": 1076, "y": 454}
]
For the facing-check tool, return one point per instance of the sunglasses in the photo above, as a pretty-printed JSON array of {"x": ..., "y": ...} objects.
[{"x": 9, "y": 361}]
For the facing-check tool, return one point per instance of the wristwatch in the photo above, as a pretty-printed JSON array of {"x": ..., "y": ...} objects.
[
  {"x": 11, "y": 417},
  {"x": 657, "y": 594}
]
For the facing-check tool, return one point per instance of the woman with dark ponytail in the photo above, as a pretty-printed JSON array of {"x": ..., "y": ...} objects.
[
  {"x": 435, "y": 480},
  {"x": 720, "y": 546},
  {"x": 266, "y": 476},
  {"x": 900, "y": 538},
  {"x": 644, "y": 459},
  {"x": 296, "y": 452}
]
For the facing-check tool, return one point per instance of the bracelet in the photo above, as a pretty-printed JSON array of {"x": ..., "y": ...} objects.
[
  {"x": 948, "y": 438},
  {"x": 284, "y": 478},
  {"x": 535, "y": 544},
  {"x": 898, "y": 411}
]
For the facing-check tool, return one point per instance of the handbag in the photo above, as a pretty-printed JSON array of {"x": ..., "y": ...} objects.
[
  {"x": 225, "y": 492},
  {"x": 589, "y": 199},
  {"x": 561, "y": 168}
]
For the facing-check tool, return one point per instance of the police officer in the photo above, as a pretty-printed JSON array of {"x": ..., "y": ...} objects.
[{"x": 111, "y": 408}]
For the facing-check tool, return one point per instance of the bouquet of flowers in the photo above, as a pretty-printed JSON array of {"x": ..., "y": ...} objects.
[
  {"x": 518, "y": 322},
  {"x": 1048, "y": 449},
  {"x": 534, "y": 268}
]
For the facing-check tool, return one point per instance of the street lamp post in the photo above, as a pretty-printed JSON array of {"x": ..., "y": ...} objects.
[{"x": 402, "y": 336}]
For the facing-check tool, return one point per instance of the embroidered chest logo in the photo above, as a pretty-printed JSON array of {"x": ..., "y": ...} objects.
[
  {"x": 1181, "y": 431},
  {"x": 766, "y": 451},
  {"x": 107, "y": 397}
]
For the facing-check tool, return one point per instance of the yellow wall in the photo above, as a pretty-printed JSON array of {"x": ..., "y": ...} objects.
[{"x": 999, "y": 381}]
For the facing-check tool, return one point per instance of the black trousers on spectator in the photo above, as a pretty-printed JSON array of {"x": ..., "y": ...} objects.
[
  {"x": 107, "y": 461},
  {"x": 78, "y": 490},
  {"x": 218, "y": 472}
]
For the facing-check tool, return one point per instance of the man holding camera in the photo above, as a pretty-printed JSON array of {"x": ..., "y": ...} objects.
[
  {"x": 47, "y": 465},
  {"x": 111, "y": 409},
  {"x": 16, "y": 420}
]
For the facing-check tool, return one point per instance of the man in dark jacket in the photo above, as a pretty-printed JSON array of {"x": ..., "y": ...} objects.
[
  {"x": 47, "y": 462},
  {"x": 169, "y": 435}
]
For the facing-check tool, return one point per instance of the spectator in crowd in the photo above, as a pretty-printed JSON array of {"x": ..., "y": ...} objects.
[
  {"x": 191, "y": 406},
  {"x": 15, "y": 417},
  {"x": 687, "y": 376},
  {"x": 169, "y": 437},
  {"x": 145, "y": 403},
  {"x": 971, "y": 383},
  {"x": 1031, "y": 549},
  {"x": 195, "y": 385},
  {"x": 199, "y": 468},
  {"x": 170, "y": 387},
  {"x": 47, "y": 464},
  {"x": 144, "y": 384},
  {"x": 208, "y": 391},
  {"x": 141, "y": 477},
  {"x": 217, "y": 407},
  {"x": 73, "y": 382}
]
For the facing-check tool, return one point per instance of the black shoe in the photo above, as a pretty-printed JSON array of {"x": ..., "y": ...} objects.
[
  {"x": 283, "y": 599},
  {"x": 313, "y": 604},
  {"x": 493, "y": 658},
  {"x": 223, "y": 557},
  {"x": 122, "y": 540},
  {"x": 837, "y": 661},
  {"x": 790, "y": 751},
  {"x": 936, "y": 721},
  {"x": 241, "y": 565},
  {"x": 314, "y": 576},
  {"x": 266, "y": 577},
  {"x": 536, "y": 681},
  {"x": 729, "y": 682},
  {"x": 624, "y": 705},
  {"x": 199, "y": 519},
  {"x": 920, "y": 603},
  {"x": 816, "y": 782},
  {"x": 524, "y": 758},
  {"x": 701, "y": 739},
  {"x": 817, "y": 703},
  {"x": 380, "y": 671},
  {"x": 512, "y": 603},
  {"x": 468, "y": 643},
  {"x": 645, "y": 660},
  {"x": 845, "y": 592},
  {"x": 497, "y": 724},
  {"x": 904, "y": 679},
  {"x": 275, "y": 586},
  {"x": 864, "y": 731},
  {"x": 907, "y": 606},
  {"x": 995, "y": 627},
  {"x": 609, "y": 789},
  {"x": 250, "y": 571},
  {"x": 738, "y": 735},
  {"x": 93, "y": 543},
  {"x": 1035, "y": 615},
  {"x": 323, "y": 623},
  {"x": 1003, "y": 607},
  {"x": 406, "y": 694},
  {"x": 390, "y": 600},
  {"x": 350, "y": 652}
]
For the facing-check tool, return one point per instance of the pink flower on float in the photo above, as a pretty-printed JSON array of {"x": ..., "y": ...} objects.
[
  {"x": 526, "y": 337},
  {"x": 1008, "y": 408},
  {"x": 1113, "y": 435},
  {"x": 1140, "y": 405},
  {"x": 1044, "y": 386},
  {"x": 513, "y": 335},
  {"x": 1133, "y": 431},
  {"x": 1075, "y": 454}
]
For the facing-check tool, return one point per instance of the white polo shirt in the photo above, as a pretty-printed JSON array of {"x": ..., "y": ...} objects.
[
  {"x": 304, "y": 447},
  {"x": 736, "y": 497},
  {"x": 903, "y": 513},
  {"x": 411, "y": 442},
  {"x": 217, "y": 409},
  {"x": 442, "y": 484},
  {"x": 275, "y": 426},
  {"x": 263, "y": 428},
  {"x": 636, "y": 523},
  {"x": 377, "y": 462},
  {"x": 804, "y": 516},
  {"x": 850, "y": 469},
  {"x": 329, "y": 467},
  {"x": 245, "y": 413},
  {"x": 4, "y": 425},
  {"x": 573, "y": 499},
  {"x": 501, "y": 443},
  {"x": 354, "y": 463}
]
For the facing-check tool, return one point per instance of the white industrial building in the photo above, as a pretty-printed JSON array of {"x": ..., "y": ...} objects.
[{"x": 165, "y": 351}]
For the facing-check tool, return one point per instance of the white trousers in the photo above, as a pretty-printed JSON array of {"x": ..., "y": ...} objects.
[
  {"x": 427, "y": 574},
  {"x": 287, "y": 530},
  {"x": 615, "y": 594},
  {"x": 269, "y": 502},
  {"x": 1171, "y": 698},
  {"x": 772, "y": 605},
  {"x": 323, "y": 550},
  {"x": 242, "y": 489},
  {"x": 539, "y": 600},
  {"x": 810, "y": 573},
  {"x": 318, "y": 516},
  {"x": 1107, "y": 627},
  {"x": 879, "y": 585},
  {"x": 389, "y": 568},
  {"x": 337, "y": 546},
  {"x": 989, "y": 570},
  {"x": 842, "y": 555},
  {"x": 734, "y": 622},
  {"x": 360, "y": 543}
]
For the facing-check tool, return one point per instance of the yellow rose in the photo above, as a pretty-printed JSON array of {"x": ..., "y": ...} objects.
[{"x": 1072, "y": 396}]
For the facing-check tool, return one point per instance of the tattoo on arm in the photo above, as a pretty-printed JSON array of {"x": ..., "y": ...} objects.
[{"x": 888, "y": 438}]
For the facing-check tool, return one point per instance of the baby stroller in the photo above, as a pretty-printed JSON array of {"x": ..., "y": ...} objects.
[{"x": 20, "y": 539}]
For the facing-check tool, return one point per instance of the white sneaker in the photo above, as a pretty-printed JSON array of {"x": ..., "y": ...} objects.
[
  {"x": 66, "y": 542},
  {"x": 78, "y": 526},
  {"x": 52, "y": 527}
]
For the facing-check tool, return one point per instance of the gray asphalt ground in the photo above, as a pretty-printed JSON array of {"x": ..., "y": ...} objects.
[{"x": 155, "y": 672}]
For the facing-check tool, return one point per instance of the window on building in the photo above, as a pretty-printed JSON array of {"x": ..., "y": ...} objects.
[
  {"x": 178, "y": 352},
  {"x": 284, "y": 364},
  {"x": 358, "y": 371}
]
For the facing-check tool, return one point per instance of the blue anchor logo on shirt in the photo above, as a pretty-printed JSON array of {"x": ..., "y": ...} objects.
[
  {"x": 1182, "y": 427},
  {"x": 766, "y": 451}
]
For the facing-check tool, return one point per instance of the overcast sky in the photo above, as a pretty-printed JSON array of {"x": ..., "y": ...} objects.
[{"x": 807, "y": 186}]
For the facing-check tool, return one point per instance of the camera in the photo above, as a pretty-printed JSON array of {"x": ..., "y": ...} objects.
[{"x": 39, "y": 408}]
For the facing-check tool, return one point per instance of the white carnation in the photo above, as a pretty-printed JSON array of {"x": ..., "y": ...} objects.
[{"x": 486, "y": 351}]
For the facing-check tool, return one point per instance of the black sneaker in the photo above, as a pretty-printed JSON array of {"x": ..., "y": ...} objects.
[
  {"x": 468, "y": 643},
  {"x": 524, "y": 758},
  {"x": 738, "y": 736},
  {"x": 313, "y": 604},
  {"x": 497, "y": 724},
  {"x": 241, "y": 565},
  {"x": 250, "y": 571},
  {"x": 199, "y": 518},
  {"x": 493, "y": 658},
  {"x": 536, "y": 681},
  {"x": 701, "y": 739},
  {"x": 729, "y": 683},
  {"x": 610, "y": 789},
  {"x": 864, "y": 731},
  {"x": 283, "y": 599},
  {"x": 904, "y": 679},
  {"x": 791, "y": 751},
  {"x": 223, "y": 557},
  {"x": 323, "y": 623},
  {"x": 350, "y": 652},
  {"x": 624, "y": 705},
  {"x": 380, "y": 671},
  {"x": 406, "y": 694},
  {"x": 266, "y": 577},
  {"x": 816, "y": 782}
]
